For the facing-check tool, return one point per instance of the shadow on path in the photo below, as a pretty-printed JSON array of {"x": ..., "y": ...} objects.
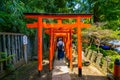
[
  {"x": 29, "y": 72},
  {"x": 88, "y": 77}
]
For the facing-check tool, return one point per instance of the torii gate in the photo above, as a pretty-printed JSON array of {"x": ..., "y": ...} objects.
[
  {"x": 66, "y": 38},
  {"x": 59, "y": 16}
]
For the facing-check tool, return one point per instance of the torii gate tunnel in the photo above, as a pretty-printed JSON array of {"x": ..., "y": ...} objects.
[{"x": 59, "y": 29}]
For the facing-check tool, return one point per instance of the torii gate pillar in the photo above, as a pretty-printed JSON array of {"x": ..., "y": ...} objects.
[
  {"x": 39, "y": 44},
  {"x": 79, "y": 48}
]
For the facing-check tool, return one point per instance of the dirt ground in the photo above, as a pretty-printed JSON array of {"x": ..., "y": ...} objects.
[{"x": 29, "y": 72}]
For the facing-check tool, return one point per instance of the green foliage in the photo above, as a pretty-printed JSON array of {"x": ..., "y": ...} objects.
[
  {"x": 4, "y": 56},
  {"x": 11, "y": 16},
  {"x": 106, "y": 10},
  {"x": 108, "y": 52},
  {"x": 93, "y": 47},
  {"x": 113, "y": 57},
  {"x": 111, "y": 66},
  {"x": 103, "y": 11},
  {"x": 113, "y": 24},
  {"x": 12, "y": 19},
  {"x": 70, "y": 21},
  {"x": 103, "y": 52},
  {"x": 10, "y": 67}
]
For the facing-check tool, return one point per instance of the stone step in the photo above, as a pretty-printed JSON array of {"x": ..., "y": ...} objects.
[{"x": 60, "y": 71}]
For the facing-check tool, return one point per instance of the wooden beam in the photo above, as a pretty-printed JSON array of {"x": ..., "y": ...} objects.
[
  {"x": 59, "y": 31},
  {"x": 34, "y": 25},
  {"x": 82, "y": 25},
  {"x": 56, "y": 15},
  {"x": 69, "y": 26}
]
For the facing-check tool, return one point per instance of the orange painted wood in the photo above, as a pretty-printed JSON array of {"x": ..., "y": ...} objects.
[
  {"x": 79, "y": 44},
  {"x": 55, "y": 43},
  {"x": 51, "y": 48},
  {"x": 84, "y": 25},
  {"x": 59, "y": 31},
  {"x": 70, "y": 55},
  {"x": 66, "y": 47},
  {"x": 68, "y": 44},
  {"x": 39, "y": 44},
  {"x": 56, "y": 16},
  {"x": 69, "y": 26},
  {"x": 60, "y": 34},
  {"x": 59, "y": 22},
  {"x": 34, "y": 25}
]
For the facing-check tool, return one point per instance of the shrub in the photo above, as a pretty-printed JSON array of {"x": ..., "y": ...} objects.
[{"x": 93, "y": 47}]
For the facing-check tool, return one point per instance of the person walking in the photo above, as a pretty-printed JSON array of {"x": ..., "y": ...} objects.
[{"x": 60, "y": 46}]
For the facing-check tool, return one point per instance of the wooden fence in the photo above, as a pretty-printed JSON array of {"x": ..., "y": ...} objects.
[{"x": 12, "y": 50}]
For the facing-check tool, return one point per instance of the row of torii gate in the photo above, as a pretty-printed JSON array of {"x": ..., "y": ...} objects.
[{"x": 59, "y": 29}]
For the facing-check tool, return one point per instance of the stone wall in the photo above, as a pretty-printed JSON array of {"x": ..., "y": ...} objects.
[{"x": 97, "y": 59}]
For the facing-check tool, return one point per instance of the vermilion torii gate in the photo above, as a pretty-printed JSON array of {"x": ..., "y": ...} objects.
[
  {"x": 59, "y": 17},
  {"x": 67, "y": 38}
]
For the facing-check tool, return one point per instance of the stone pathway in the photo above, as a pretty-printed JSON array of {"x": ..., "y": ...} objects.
[
  {"x": 60, "y": 71},
  {"x": 91, "y": 73},
  {"x": 88, "y": 73}
]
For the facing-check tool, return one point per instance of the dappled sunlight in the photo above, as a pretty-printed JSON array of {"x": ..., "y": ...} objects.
[
  {"x": 88, "y": 73},
  {"x": 60, "y": 70},
  {"x": 43, "y": 76}
]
